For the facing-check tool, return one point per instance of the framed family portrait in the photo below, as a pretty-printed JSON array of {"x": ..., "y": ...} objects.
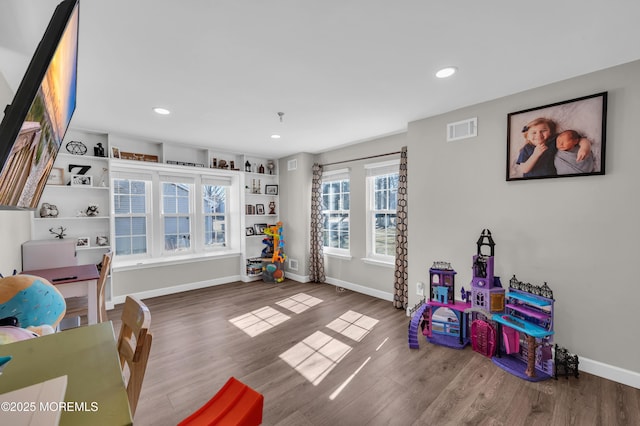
[
  {"x": 81, "y": 180},
  {"x": 558, "y": 140}
]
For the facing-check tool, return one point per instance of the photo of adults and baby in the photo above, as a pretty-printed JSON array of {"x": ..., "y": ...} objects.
[{"x": 558, "y": 140}]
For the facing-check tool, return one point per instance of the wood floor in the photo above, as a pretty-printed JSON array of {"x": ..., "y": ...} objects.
[{"x": 196, "y": 349}]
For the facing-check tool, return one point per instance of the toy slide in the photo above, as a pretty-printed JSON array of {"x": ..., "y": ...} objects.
[
  {"x": 511, "y": 340},
  {"x": 234, "y": 404}
]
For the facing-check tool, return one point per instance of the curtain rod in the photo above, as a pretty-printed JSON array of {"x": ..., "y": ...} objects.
[{"x": 361, "y": 158}]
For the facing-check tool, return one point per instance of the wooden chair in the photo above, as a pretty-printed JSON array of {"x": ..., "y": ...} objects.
[
  {"x": 134, "y": 345},
  {"x": 78, "y": 306}
]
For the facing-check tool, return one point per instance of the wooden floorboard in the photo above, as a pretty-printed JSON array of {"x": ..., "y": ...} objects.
[{"x": 196, "y": 349}]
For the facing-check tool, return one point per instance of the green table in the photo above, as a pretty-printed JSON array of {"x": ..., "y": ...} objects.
[{"x": 88, "y": 357}]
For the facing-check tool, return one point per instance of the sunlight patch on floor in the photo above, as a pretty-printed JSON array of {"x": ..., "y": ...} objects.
[
  {"x": 259, "y": 321},
  {"x": 316, "y": 356},
  {"x": 353, "y": 325},
  {"x": 299, "y": 302}
]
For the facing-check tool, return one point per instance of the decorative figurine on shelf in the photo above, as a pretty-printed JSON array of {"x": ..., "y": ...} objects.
[
  {"x": 232, "y": 165},
  {"x": 261, "y": 169},
  {"x": 103, "y": 177},
  {"x": 271, "y": 165},
  {"x": 272, "y": 207},
  {"x": 247, "y": 166},
  {"x": 214, "y": 163},
  {"x": 222, "y": 164},
  {"x": 59, "y": 235},
  {"x": 98, "y": 150},
  {"x": 48, "y": 210},
  {"x": 92, "y": 210}
]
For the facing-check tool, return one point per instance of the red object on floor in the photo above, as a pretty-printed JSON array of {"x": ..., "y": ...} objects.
[{"x": 234, "y": 404}]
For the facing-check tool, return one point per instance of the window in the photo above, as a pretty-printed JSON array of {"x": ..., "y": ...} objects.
[
  {"x": 214, "y": 210},
  {"x": 177, "y": 216},
  {"x": 335, "y": 211},
  {"x": 131, "y": 216},
  {"x": 172, "y": 217},
  {"x": 382, "y": 197}
]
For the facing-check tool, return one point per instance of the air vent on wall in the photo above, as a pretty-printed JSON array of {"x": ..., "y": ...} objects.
[
  {"x": 292, "y": 165},
  {"x": 462, "y": 129}
]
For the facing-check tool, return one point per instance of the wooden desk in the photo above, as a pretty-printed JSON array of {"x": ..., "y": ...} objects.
[
  {"x": 74, "y": 281},
  {"x": 88, "y": 357}
]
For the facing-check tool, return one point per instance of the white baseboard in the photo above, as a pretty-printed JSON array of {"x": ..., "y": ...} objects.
[
  {"x": 361, "y": 289},
  {"x": 610, "y": 372},
  {"x": 296, "y": 277},
  {"x": 174, "y": 289}
]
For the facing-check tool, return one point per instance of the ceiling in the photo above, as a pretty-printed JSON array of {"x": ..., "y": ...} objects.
[{"x": 341, "y": 71}]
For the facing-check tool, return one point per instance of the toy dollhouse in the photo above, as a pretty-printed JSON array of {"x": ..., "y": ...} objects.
[
  {"x": 486, "y": 290},
  {"x": 445, "y": 319},
  {"x": 525, "y": 332}
]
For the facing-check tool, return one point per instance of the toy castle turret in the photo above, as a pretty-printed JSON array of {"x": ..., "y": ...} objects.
[{"x": 486, "y": 290}]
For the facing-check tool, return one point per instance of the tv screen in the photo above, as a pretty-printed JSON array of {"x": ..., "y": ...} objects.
[{"x": 35, "y": 123}]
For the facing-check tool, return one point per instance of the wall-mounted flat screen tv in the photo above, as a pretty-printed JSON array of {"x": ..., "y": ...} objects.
[{"x": 35, "y": 123}]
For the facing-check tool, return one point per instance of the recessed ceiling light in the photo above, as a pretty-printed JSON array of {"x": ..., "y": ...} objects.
[
  {"x": 161, "y": 111},
  {"x": 275, "y": 136},
  {"x": 446, "y": 72}
]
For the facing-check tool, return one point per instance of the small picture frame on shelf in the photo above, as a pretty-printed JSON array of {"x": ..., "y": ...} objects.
[
  {"x": 259, "y": 228},
  {"x": 249, "y": 231},
  {"x": 56, "y": 176},
  {"x": 271, "y": 189},
  {"x": 250, "y": 209},
  {"x": 115, "y": 152},
  {"x": 81, "y": 180},
  {"x": 102, "y": 241},
  {"x": 259, "y": 208},
  {"x": 83, "y": 242}
]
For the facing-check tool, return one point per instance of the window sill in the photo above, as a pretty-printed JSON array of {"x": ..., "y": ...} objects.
[
  {"x": 128, "y": 265},
  {"x": 378, "y": 262}
]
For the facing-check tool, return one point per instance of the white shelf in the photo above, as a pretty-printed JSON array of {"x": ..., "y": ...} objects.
[
  {"x": 93, "y": 248},
  {"x": 65, "y": 218},
  {"x": 69, "y": 187}
]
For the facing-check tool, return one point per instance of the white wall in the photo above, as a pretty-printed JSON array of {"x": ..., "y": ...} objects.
[
  {"x": 578, "y": 234},
  {"x": 15, "y": 226}
]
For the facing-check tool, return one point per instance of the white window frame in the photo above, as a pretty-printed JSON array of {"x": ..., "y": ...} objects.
[
  {"x": 200, "y": 207},
  {"x": 189, "y": 182},
  {"x": 334, "y": 176},
  {"x": 147, "y": 179},
  {"x": 374, "y": 171}
]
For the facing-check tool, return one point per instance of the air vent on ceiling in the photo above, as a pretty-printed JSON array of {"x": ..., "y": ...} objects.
[{"x": 462, "y": 129}]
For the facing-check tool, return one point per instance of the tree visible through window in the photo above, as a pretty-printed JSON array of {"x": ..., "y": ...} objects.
[
  {"x": 214, "y": 206},
  {"x": 335, "y": 214},
  {"x": 176, "y": 210},
  {"x": 385, "y": 198}
]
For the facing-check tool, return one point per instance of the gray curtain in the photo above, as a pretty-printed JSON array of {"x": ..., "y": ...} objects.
[
  {"x": 401, "y": 293},
  {"x": 316, "y": 261}
]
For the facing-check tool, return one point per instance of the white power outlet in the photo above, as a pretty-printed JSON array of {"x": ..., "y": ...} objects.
[{"x": 420, "y": 288}]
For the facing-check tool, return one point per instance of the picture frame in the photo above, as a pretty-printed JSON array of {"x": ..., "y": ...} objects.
[
  {"x": 83, "y": 242},
  {"x": 259, "y": 208},
  {"x": 250, "y": 209},
  {"x": 81, "y": 180},
  {"x": 102, "y": 241},
  {"x": 259, "y": 228},
  {"x": 115, "y": 152},
  {"x": 249, "y": 231},
  {"x": 271, "y": 189},
  {"x": 566, "y": 127},
  {"x": 56, "y": 176}
]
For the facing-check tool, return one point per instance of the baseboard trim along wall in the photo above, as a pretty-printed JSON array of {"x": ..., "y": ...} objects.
[
  {"x": 611, "y": 372},
  {"x": 360, "y": 289},
  {"x": 175, "y": 289}
]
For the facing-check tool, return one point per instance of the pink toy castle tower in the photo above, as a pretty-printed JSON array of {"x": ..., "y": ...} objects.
[{"x": 486, "y": 290}]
